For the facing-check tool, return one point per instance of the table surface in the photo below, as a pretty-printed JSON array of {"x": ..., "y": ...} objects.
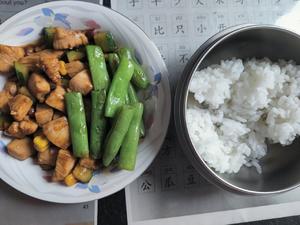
[{"x": 112, "y": 211}]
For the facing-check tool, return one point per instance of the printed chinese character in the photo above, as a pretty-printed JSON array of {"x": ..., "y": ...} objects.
[
  {"x": 220, "y": 2},
  {"x": 169, "y": 182},
  {"x": 179, "y": 28},
  {"x": 199, "y": 2},
  {"x": 177, "y": 2},
  {"x": 156, "y": 2},
  {"x": 159, "y": 30},
  {"x": 146, "y": 185},
  {"x": 240, "y": 1},
  {"x": 201, "y": 28},
  {"x": 133, "y": 2},
  {"x": 183, "y": 58},
  {"x": 221, "y": 26},
  {"x": 191, "y": 179}
]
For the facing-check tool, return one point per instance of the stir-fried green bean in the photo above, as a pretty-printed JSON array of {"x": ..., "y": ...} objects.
[
  {"x": 77, "y": 122},
  {"x": 129, "y": 147},
  {"x": 117, "y": 133}
]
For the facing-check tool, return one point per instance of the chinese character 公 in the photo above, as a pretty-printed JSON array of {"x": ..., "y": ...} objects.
[{"x": 146, "y": 185}]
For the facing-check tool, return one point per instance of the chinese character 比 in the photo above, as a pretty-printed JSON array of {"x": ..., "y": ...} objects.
[{"x": 159, "y": 30}]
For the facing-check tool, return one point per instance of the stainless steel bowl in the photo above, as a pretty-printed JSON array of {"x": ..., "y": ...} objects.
[{"x": 281, "y": 165}]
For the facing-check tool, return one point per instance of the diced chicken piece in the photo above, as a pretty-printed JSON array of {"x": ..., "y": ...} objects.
[
  {"x": 81, "y": 83},
  {"x": 20, "y": 106},
  {"x": 11, "y": 87},
  {"x": 68, "y": 39},
  {"x": 15, "y": 131},
  {"x": 5, "y": 97},
  {"x": 74, "y": 67},
  {"x": 38, "y": 86},
  {"x": 43, "y": 114},
  {"x": 48, "y": 157},
  {"x": 51, "y": 67},
  {"x": 21, "y": 148},
  {"x": 8, "y": 55},
  {"x": 56, "y": 98},
  {"x": 64, "y": 165},
  {"x": 21, "y": 129},
  {"x": 57, "y": 132},
  {"x": 28, "y": 127},
  {"x": 88, "y": 163},
  {"x": 32, "y": 61}
]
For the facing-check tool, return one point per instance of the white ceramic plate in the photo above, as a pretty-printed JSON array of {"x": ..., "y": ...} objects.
[{"x": 24, "y": 28}]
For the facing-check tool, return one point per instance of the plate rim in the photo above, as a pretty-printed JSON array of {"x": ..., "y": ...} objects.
[{"x": 167, "y": 111}]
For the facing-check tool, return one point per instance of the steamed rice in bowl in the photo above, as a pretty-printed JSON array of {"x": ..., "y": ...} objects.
[{"x": 238, "y": 107}]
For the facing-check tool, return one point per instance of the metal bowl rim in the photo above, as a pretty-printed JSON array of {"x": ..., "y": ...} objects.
[{"x": 213, "y": 176}]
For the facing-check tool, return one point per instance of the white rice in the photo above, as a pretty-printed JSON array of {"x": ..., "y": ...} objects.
[{"x": 240, "y": 105}]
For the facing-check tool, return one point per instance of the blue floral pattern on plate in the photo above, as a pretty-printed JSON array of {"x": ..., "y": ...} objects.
[
  {"x": 48, "y": 18},
  {"x": 94, "y": 188}
]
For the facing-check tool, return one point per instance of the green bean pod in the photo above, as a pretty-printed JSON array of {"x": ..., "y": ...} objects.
[
  {"x": 117, "y": 93},
  {"x": 140, "y": 78},
  {"x": 77, "y": 122},
  {"x": 98, "y": 123},
  {"x": 129, "y": 146},
  {"x": 113, "y": 61},
  {"x": 133, "y": 98},
  {"x": 117, "y": 133},
  {"x": 98, "y": 69}
]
